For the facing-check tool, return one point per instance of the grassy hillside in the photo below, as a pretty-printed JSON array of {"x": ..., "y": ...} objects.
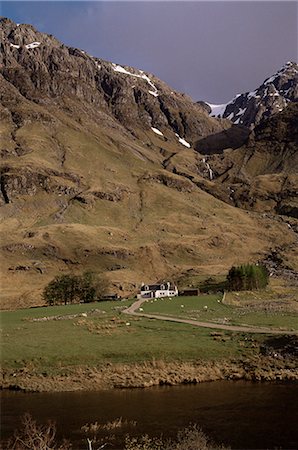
[{"x": 114, "y": 209}]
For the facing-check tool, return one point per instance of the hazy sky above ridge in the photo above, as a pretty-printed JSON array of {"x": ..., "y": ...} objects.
[{"x": 210, "y": 50}]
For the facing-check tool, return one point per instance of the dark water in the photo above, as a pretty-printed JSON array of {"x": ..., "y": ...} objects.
[{"x": 240, "y": 414}]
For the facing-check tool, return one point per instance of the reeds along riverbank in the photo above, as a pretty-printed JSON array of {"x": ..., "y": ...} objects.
[{"x": 149, "y": 374}]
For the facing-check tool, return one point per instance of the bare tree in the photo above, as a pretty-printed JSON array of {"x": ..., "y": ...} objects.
[{"x": 32, "y": 436}]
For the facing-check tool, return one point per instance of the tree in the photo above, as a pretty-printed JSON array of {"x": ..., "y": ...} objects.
[
  {"x": 247, "y": 277},
  {"x": 86, "y": 288},
  {"x": 74, "y": 289},
  {"x": 62, "y": 289}
]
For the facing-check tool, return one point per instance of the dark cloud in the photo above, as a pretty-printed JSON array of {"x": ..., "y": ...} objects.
[{"x": 211, "y": 50}]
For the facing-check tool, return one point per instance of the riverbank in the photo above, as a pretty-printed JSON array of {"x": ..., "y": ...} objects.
[{"x": 154, "y": 373}]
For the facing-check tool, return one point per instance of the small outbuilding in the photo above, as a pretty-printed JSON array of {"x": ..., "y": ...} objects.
[
  {"x": 110, "y": 297},
  {"x": 190, "y": 293}
]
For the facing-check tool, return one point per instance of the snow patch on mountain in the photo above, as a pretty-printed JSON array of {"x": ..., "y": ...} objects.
[
  {"x": 155, "y": 94},
  {"x": 241, "y": 111},
  {"x": 121, "y": 69},
  {"x": 28, "y": 46},
  {"x": 33, "y": 45},
  {"x": 150, "y": 83},
  {"x": 156, "y": 130},
  {"x": 253, "y": 94},
  {"x": 217, "y": 110},
  {"x": 143, "y": 76},
  {"x": 182, "y": 141}
]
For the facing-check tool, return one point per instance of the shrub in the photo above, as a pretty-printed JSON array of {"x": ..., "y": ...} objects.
[
  {"x": 247, "y": 277},
  {"x": 35, "y": 437},
  {"x": 191, "y": 438}
]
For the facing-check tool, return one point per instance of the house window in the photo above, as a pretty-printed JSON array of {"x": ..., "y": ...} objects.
[{"x": 146, "y": 288}]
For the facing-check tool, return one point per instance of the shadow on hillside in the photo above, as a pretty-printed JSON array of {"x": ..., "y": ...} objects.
[{"x": 234, "y": 137}]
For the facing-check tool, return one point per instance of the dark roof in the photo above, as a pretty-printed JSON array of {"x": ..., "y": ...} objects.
[
  {"x": 156, "y": 287},
  {"x": 150, "y": 287}
]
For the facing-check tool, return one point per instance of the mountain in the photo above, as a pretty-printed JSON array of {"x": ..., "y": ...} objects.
[
  {"x": 42, "y": 68},
  {"x": 272, "y": 96},
  {"x": 263, "y": 174},
  {"x": 101, "y": 171}
]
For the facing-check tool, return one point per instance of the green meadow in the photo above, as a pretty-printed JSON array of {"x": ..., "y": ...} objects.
[
  {"x": 105, "y": 335},
  {"x": 50, "y": 339},
  {"x": 210, "y": 308}
]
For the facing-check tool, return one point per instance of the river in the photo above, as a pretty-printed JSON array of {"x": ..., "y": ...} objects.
[{"x": 241, "y": 414}]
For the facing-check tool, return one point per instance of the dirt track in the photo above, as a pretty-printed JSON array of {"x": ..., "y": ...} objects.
[{"x": 135, "y": 306}]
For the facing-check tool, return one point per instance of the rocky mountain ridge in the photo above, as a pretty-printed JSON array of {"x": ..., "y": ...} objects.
[
  {"x": 271, "y": 97},
  {"x": 105, "y": 168},
  {"x": 41, "y": 68}
]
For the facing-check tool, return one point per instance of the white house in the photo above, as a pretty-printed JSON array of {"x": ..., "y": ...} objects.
[{"x": 165, "y": 289}]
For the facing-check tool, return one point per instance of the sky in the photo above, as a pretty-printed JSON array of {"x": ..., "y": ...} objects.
[{"x": 210, "y": 50}]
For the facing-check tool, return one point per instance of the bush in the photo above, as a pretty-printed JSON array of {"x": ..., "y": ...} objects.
[
  {"x": 35, "y": 437},
  {"x": 247, "y": 277},
  {"x": 191, "y": 438},
  {"x": 64, "y": 289}
]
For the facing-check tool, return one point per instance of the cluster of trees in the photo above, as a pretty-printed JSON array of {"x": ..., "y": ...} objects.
[
  {"x": 247, "y": 277},
  {"x": 64, "y": 289}
]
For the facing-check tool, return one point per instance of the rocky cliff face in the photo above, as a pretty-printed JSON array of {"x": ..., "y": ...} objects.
[
  {"x": 42, "y": 68},
  {"x": 269, "y": 98},
  {"x": 263, "y": 174}
]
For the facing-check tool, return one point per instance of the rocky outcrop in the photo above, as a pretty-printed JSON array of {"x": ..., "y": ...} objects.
[
  {"x": 16, "y": 182},
  {"x": 181, "y": 184}
]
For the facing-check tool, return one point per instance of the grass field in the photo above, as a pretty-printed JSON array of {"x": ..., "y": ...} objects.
[
  {"x": 209, "y": 308},
  {"x": 102, "y": 334}
]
